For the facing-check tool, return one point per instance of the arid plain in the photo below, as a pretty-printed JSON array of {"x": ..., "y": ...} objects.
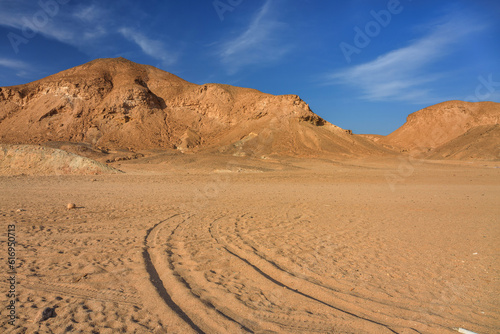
[
  {"x": 244, "y": 246},
  {"x": 218, "y": 209}
]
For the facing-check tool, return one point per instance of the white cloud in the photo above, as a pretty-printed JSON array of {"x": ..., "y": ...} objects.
[
  {"x": 13, "y": 64},
  {"x": 73, "y": 24},
  {"x": 153, "y": 48},
  {"x": 260, "y": 42},
  {"x": 88, "y": 27},
  {"x": 404, "y": 74},
  {"x": 31, "y": 18},
  {"x": 89, "y": 14},
  {"x": 20, "y": 68}
]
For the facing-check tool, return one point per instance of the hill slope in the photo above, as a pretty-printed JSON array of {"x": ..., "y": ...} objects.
[
  {"x": 117, "y": 104},
  {"x": 436, "y": 125},
  {"x": 479, "y": 143}
]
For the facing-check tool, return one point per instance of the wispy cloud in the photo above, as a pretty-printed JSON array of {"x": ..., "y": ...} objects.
[
  {"x": 405, "y": 74},
  {"x": 260, "y": 42},
  {"x": 89, "y": 13},
  {"x": 13, "y": 64},
  {"x": 153, "y": 48},
  {"x": 76, "y": 25},
  {"x": 17, "y": 67},
  {"x": 88, "y": 27}
]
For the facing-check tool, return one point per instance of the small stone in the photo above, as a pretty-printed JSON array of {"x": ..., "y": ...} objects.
[
  {"x": 71, "y": 206},
  {"x": 20, "y": 210},
  {"x": 46, "y": 313}
]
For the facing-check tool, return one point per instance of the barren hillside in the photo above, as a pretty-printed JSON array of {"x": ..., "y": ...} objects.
[
  {"x": 481, "y": 142},
  {"x": 436, "y": 125},
  {"x": 118, "y": 104}
]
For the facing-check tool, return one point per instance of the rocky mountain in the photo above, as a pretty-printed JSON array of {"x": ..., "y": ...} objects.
[
  {"x": 118, "y": 104},
  {"x": 428, "y": 129}
]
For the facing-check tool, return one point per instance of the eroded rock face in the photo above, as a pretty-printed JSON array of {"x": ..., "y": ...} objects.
[{"x": 118, "y": 104}]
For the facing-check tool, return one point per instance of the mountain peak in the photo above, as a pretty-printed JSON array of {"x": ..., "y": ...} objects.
[{"x": 114, "y": 103}]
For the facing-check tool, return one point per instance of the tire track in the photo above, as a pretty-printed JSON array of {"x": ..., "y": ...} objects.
[
  {"x": 172, "y": 287},
  {"x": 180, "y": 251},
  {"x": 79, "y": 291},
  {"x": 336, "y": 291},
  {"x": 194, "y": 279},
  {"x": 289, "y": 282},
  {"x": 157, "y": 283},
  {"x": 187, "y": 269},
  {"x": 410, "y": 319}
]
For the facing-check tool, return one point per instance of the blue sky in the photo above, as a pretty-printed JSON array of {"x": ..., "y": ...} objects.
[{"x": 362, "y": 65}]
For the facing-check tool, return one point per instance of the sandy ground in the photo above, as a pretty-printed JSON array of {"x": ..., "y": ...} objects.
[{"x": 243, "y": 246}]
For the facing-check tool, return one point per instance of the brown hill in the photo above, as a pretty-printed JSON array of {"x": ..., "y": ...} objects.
[
  {"x": 116, "y": 104},
  {"x": 479, "y": 143},
  {"x": 436, "y": 125}
]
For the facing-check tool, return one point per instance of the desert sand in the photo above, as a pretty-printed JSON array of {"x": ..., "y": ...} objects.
[
  {"x": 133, "y": 201},
  {"x": 238, "y": 245}
]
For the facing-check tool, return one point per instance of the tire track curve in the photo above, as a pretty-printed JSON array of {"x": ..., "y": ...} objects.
[
  {"x": 289, "y": 282},
  {"x": 172, "y": 287}
]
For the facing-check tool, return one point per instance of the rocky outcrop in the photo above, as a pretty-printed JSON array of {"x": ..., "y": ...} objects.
[
  {"x": 116, "y": 104},
  {"x": 40, "y": 160}
]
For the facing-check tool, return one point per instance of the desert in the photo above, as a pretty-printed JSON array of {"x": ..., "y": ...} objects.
[
  {"x": 134, "y": 201},
  {"x": 297, "y": 247}
]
